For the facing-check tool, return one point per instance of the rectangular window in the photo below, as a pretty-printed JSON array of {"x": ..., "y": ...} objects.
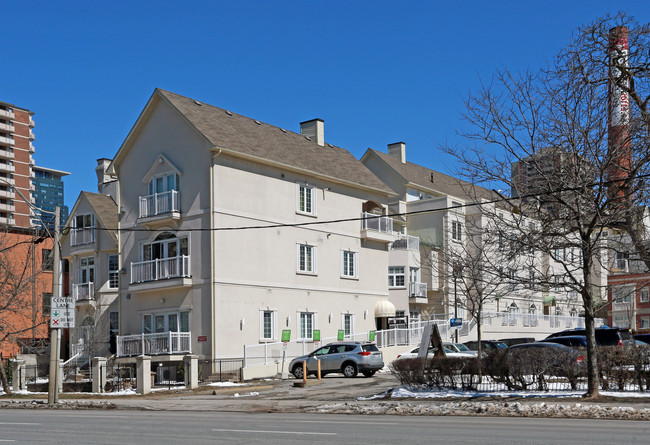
[
  {"x": 622, "y": 294},
  {"x": 113, "y": 321},
  {"x": 47, "y": 302},
  {"x": 306, "y": 325},
  {"x": 349, "y": 264},
  {"x": 268, "y": 322},
  {"x": 87, "y": 270},
  {"x": 113, "y": 272},
  {"x": 645, "y": 323},
  {"x": 306, "y": 199},
  {"x": 348, "y": 324},
  {"x": 396, "y": 276},
  {"x": 456, "y": 230},
  {"x": 306, "y": 258},
  {"x": 645, "y": 296},
  {"x": 147, "y": 324},
  {"x": 47, "y": 260}
]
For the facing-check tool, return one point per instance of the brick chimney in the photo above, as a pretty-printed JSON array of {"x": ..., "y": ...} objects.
[
  {"x": 315, "y": 130},
  {"x": 398, "y": 149}
]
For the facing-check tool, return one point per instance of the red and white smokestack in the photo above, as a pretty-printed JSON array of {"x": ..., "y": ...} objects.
[{"x": 619, "y": 146}]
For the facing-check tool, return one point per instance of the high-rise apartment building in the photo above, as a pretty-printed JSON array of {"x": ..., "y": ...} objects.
[{"x": 47, "y": 194}]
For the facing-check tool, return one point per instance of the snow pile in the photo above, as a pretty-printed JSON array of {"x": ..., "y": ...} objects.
[{"x": 510, "y": 409}]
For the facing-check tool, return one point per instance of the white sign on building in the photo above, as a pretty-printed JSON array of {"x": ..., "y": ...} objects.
[{"x": 62, "y": 312}]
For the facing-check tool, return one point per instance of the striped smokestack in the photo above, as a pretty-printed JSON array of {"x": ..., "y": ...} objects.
[{"x": 619, "y": 146}]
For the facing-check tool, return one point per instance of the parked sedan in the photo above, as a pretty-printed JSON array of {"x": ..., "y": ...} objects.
[
  {"x": 485, "y": 345},
  {"x": 459, "y": 347},
  {"x": 348, "y": 358},
  {"x": 413, "y": 353},
  {"x": 574, "y": 341}
]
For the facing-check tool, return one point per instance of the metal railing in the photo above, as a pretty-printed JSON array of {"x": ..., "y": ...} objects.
[
  {"x": 407, "y": 242},
  {"x": 160, "y": 269},
  {"x": 378, "y": 223},
  {"x": 154, "y": 344},
  {"x": 159, "y": 203},
  {"x": 83, "y": 291},
  {"x": 418, "y": 289},
  {"x": 83, "y": 235}
]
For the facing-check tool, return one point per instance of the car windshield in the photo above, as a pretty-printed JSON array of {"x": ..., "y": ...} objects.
[
  {"x": 501, "y": 345},
  {"x": 462, "y": 347}
]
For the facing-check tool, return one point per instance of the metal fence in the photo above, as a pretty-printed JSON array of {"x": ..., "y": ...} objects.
[{"x": 221, "y": 370}]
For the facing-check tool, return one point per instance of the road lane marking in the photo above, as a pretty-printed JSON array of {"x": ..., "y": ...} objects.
[
  {"x": 273, "y": 432},
  {"x": 18, "y": 423},
  {"x": 343, "y": 423}
]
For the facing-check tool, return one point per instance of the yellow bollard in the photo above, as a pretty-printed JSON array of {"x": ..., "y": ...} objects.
[
  {"x": 304, "y": 371},
  {"x": 318, "y": 368}
]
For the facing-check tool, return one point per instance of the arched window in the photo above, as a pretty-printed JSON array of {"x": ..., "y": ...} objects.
[
  {"x": 532, "y": 309},
  {"x": 165, "y": 245}
]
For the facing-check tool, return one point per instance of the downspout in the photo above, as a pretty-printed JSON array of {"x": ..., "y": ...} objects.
[{"x": 213, "y": 250}]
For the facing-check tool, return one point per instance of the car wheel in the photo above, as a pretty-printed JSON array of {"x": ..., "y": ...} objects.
[
  {"x": 349, "y": 370},
  {"x": 297, "y": 372},
  {"x": 369, "y": 373}
]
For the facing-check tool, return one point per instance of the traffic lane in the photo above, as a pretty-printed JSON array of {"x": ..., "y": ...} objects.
[{"x": 111, "y": 427}]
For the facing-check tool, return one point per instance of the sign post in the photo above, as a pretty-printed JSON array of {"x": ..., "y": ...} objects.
[
  {"x": 286, "y": 337},
  {"x": 55, "y": 334},
  {"x": 316, "y": 338}
]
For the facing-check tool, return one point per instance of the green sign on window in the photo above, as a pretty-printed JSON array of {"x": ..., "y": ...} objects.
[
  {"x": 316, "y": 334},
  {"x": 286, "y": 334},
  {"x": 371, "y": 336},
  {"x": 341, "y": 335}
]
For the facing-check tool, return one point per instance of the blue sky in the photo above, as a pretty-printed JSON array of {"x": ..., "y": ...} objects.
[{"x": 377, "y": 72}]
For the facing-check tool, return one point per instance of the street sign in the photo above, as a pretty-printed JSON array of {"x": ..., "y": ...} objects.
[
  {"x": 371, "y": 336},
  {"x": 455, "y": 322},
  {"x": 62, "y": 312},
  {"x": 202, "y": 338},
  {"x": 286, "y": 335},
  {"x": 341, "y": 335},
  {"x": 316, "y": 334}
]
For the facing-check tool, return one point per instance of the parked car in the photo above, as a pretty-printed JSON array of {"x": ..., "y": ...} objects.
[
  {"x": 574, "y": 341},
  {"x": 554, "y": 354},
  {"x": 605, "y": 336},
  {"x": 413, "y": 353},
  {"x": 459, "y": 347},
  {"x": 517, "y": 340},
  {"x": 485, "y": 345},
  {"x": 645, "y": 338},
  {"x": 348, "y": 358}
]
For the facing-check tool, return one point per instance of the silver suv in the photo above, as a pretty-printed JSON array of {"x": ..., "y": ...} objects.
[{"x": 348, "y": 358}]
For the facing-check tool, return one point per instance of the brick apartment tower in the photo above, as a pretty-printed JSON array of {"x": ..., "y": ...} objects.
[{"x": 16, "y": 163}]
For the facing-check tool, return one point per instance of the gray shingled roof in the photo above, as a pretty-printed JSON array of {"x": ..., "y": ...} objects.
[
  {"x": 442, "y": 183},
  {"x": 244, "y": 135},
  {"x": 105, "y": 208}
]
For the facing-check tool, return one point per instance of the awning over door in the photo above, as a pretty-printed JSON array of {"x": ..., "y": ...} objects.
[{"x": 384, "y": 308}]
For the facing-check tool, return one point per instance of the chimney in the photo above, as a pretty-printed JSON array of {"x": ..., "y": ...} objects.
[
  {"x": 102, "y": 165},
  {"x": 315, "y": 130},
  {"x": 398, "y": 149}
]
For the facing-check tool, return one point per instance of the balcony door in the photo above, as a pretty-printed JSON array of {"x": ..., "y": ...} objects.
[{"x": 166, "y": 245}]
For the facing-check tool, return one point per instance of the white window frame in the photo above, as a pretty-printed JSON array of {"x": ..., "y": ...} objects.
[
  {"x": 644, "y": 295},
  {"x": 274, "y": 325},
  {"x": 346, "y": 270},
  {"x": 301, "y": 266},
  {"x": 87, "y": 266},
  {"x": 113, "y": 273},
  {"x": 456, "y": 230},
  {"x": 394, "y": 274},
  {"x": 351, "y": 317},
  {"x": 314, "y": 325},
  {"x": 645, "y": 323},
  {"x": 152, "y": 186},
  {"x": 308, "y": 206},
  {"x": 166, "y": 325}
]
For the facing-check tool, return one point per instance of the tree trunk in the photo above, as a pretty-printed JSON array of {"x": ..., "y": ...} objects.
[
  {"x": 3, "y": 376},
  {"x": 593, "y": 377},
  {"x": 478, "y": 327}
]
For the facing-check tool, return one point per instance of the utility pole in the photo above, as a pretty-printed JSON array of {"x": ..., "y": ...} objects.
[{"x": 55, "y": 333}]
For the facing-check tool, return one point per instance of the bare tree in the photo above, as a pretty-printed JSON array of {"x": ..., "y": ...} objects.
[
  {"x": 546, "y": 137},
  {"x": 21, "y": 316}
]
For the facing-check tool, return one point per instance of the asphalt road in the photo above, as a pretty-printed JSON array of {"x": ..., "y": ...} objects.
[{"x": 173, "y": 427}]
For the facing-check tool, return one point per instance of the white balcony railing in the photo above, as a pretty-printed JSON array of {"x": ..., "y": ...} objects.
[
  {"x": 7, "y": 167},
  {"x": 418, "y": 289},
  {"x": 7, "y": 128},
  {"x": 154, "y": 344},
  {"x": 7, "y": 154},
  {"x": 7, "y": 114},
  {"x": 160, "y": 269},
  {"x": 370, "y": 221},
  {"x": 83, "y": 291},
  {"x": 84, "y": 235},
  {"x": 159, "y": 203},
  {"x": 407, "y": 242},
  {"x": 7, "y": 141}
]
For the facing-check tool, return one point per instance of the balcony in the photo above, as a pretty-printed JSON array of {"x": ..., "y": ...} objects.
[
  {"x": 31, "y": 135},
  {"x": 7, "y": 154},
  {"x": 31, "y": 122},
  {"x": 407, "y": 242},
  {"x": 82, "y": 236},
  {"x": 160, "y": 206},
  {"x": 7, "y": 168},
  {"x": 7, "y": 141},
  {"x": 7, "y": 114},
  {"x": 377, "y": 228},
  {"x": 4, "y": 180},
  {"x": 9, "y": 194},
  {"x": 8, "y": 128},
  {"x": 159, "y": 270},
  {"x": 31, "y": 147},
  {"x": 7, "y": 207},
  {"x": 154, "y": 344},
  {"x": 418, "y": 292},
  {"x": 83, "y": 292},
  {"x": 7, "y": 221}
]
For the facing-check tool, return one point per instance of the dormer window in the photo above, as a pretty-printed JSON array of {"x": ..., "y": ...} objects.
[
  {"x": 83, "y": 229},
  {"x": 162, "y": 195}
]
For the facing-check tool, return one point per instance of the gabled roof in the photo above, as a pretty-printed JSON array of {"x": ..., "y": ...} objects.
[
  {"x": 434, "y": 181},
  {"x": 105, "y": 210},
  {"x": 239, "y": 135}
]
